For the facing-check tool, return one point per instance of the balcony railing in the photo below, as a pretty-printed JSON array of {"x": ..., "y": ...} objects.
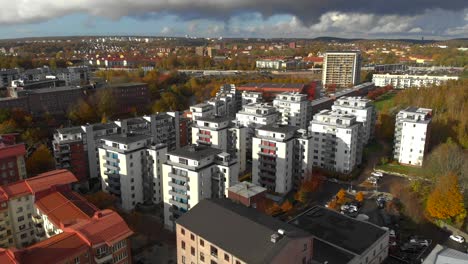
[
  {"x": 183, "y": 187},
  {"x": 179, "y": 204},
  {"x": 103, "y": 258},
  {"x": 180, "y": 195},
  {"x": 178, "y": 177}
]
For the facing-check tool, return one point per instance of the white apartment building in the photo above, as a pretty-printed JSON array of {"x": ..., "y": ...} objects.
[
  {"x": 407, "y": 81},
  {"x": 194, "y": 173},
  {"x": 293, "y": 108},
  {"x": 341, "y": 68},
  {"x": 229, "y": 91},
  {"x": 364, "y": 111},
  {"x": 336, "y": 141},
  {"x": 412, "y": 131},
  {"x": 124, "y": 170},
  {"x": 281, "y": 157},
  {"x": 201, "y": 110},
  {"x": 221, "y": 133},
  {"x": 157, "y": 155},
  {"x": 251, "y": 98}
]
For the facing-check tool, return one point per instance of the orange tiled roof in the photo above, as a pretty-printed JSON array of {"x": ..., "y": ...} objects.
[
  {"x": 61, "y": 210},
  {"x": 104, "y": 227},
  {"x": 45, "y": 180},
  {"x": 19, "y": 188},
  {"x": 12, "y": 150},
  {"x": 53, "y": 250},
  {"x": 7, "y": 257}
]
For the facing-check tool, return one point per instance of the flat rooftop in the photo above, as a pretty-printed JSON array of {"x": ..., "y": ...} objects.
[
  {"x": 70, "y": 130},
  {"x": 339, "y": 230},
  {"x": 195, "y": 152},
  {"x": 246, "y": 189},
  {"x": 126, "y": 138},
  {"x": 275, "y": 85},
  {"x": 279, "y": 128}
]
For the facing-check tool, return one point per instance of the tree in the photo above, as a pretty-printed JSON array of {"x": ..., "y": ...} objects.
[
  {"x": 312, "y": 182},
  {"x": 360, "y": 197},
  {"x": 446, "y": 201},
  {"x": 341, "y": 195},
  {"x": 40, "y": 161},
  {"x": 286, "y": 206}
]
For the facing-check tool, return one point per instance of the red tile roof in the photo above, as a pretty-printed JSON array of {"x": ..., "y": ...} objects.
[
  {"x": 53, "y": 250},
  {"x": 62, "y": 211},
  {"x": 104, "y": 227},
  {"x": 7, "y": 257},
  {"x": 37, "y": 184},
  {"x": 45, "y": 180},
  {"x": 12, "y": 151}
]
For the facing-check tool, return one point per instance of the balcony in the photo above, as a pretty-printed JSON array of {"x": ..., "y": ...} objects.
[
  {"x": 267, "y": 147},
  {"x": 111, "y": 167},
  {"x": 268, "y": 161},
  {"x": 180, "y": 195},
  {"x": 113, "y": 190},
  {"x": 267, "y": 168},
  {"x": 203, "y": 135},
  {"x": 266, "y": 154},
  {"x": 178, "y": 177},
  {"x": 267, "y": 176},
  {"x": 179, "y": 204},
  {"x": 39, "y": 235},
  {"x": 175, "y": 211},
  {"x": 183, "y": 187},
  {"x": 103, "y": 258},
  {"x": 106, "y": 158},
  {"x": 37, "y": 219},
  {"x": 267, "y": 183},
  {"x": 3, "y": 231}
]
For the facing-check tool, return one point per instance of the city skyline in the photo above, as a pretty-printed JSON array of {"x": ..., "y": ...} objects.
[{"x": 304, "y": 19}]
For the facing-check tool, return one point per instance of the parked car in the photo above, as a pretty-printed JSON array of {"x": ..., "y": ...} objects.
[
  {"x": 410, "y": 248},
  {"x": 377, "y": 174},
  {"x": 372, "y": 180},
  {"x": 381, "y": 201},
  {"x": 422, "y": 242},
  {"x": 457, "y": 238}
]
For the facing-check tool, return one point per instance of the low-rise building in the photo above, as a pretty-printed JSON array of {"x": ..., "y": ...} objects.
[
  {"x": 412, "y": 132},
  {"x": 220, "y": 231},
  {"x": 201, "y": 110},
  {"x": 403, "y": 81},
  {"x": 251, "y": 98},
  {"x": 247, "y": 194},
  {"x": 194, "y": 173},
  {"x": 338, "y": 238}
]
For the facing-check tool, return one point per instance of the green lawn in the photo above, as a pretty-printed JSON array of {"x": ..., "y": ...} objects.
[
  {"x": 407, "y": 170},
  {"x": 386, "y": 100}
]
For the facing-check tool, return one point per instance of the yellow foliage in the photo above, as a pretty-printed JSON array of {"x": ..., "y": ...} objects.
[{"x": 446, "y": 200}]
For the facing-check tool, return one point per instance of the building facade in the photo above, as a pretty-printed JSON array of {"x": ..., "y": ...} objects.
[
  {"x": 412, "y": 131},
  {"x": 341, "y": 68},
  {"x": 293, "y": 108},
  {"x": 403, "y": 81},
  {"x": 336, "y": 141},
  {"x": 194, "y": 173},
  {"x": 281, "y": 157},
  {"x": 12, "y": 161}
]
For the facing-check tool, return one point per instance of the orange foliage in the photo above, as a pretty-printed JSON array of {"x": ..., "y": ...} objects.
[
  {"x": 333, "y": 204},
  {"x": 341, "y": 196},
  {"x": 286, "y": 206},
  {"x": 446, "y": 200},
  {"x": 360, "y": 197}
]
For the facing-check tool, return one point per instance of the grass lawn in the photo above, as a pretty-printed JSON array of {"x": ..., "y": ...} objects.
[
  {"x": 407, "y": 170},
  {"x": 386, "y": 100}
]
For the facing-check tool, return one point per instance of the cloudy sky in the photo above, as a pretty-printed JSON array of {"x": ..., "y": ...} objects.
[{"x": 440, "y": 19}]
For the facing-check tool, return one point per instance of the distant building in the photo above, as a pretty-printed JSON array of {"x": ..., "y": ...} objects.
[
  {"x": 69, "y": 151},
  {"x": 247, "y": 194},
  {"x": 12, "y": 160},
  {"x": 251, "y": 98},
  {"x": 271, "y": 90},
  {"x": 275, "y": 64},
  {"x": 412, "y": 132},
  {"x": 337, "y": 142},
  {"x": 409, "y": 81},
  {"x": 194, "y": 173},
  {"x": 339, "y": 238},
  {"x": 281, "y": 157},
  {"x": 204, "y": 236},
  {"x": 202, "y": 110},
  {"x": 341, "y": 68},
  {"x": 7, "y": 76}
]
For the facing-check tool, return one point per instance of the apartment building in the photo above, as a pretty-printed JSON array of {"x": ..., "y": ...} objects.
[
  {"x": 403, "y": 81},
  {"x": 45, "y": 216},
  {"x": 123, "y": 164},
  {"x": 7, "y": 76},
  {"x": 281, "y": 157},
  {"x": 336, "y": 141},
  {"x": 341, "y": 68},
  {"x": 203, "y": 236},
  {"x": 364, "y": 111},
  {"x": 70, "y": 151},
  {"x": 194, "y": 173},
  {"x": 293, "y": 108},
  {"x": 156, "y": 155},
  {"x": 201, "y": 110},
  {"x": 12, "y": 161},
  {"x": 412, "y": 132},
  {"x": 232, "y": 98},
  {"x": 251, "y": 98}
]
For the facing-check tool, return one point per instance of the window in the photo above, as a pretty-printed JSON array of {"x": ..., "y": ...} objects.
[
  {"x": 192, "y": 251},
  {"x": 21, "y": 218},
  {"x": 238, "y": 262},
  {"x": 213, "y": 262},
  {"x": 226, "y": 257},
  {"x": 305, "y": 247},
  {"x": 183, "y": 259},
  {"x": 23, "y": 236},
  {"x": 182, "y": 231},
  {"x": 77, "y": 260},
  {"x": 202, "y": 257},
  {"x": 214, "y": 251},
  {"x": 183, "y": 244},
  {"x": 202, "y": 242}
]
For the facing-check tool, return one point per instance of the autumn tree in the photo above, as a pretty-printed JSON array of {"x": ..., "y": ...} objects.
[
  {"x": 40, "y": 161},
  {"x": 273, "y": 209},
  {"x": 446, "y": 201},
  {"x": 286, "y": 206},
  {"x": 360, "y": 197},
  {"x": 341, "y": 195},
  {"x": 311, "y": 183}
]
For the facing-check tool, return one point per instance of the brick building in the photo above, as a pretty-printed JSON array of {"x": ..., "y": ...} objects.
[{"x": 12, "y": 162}]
